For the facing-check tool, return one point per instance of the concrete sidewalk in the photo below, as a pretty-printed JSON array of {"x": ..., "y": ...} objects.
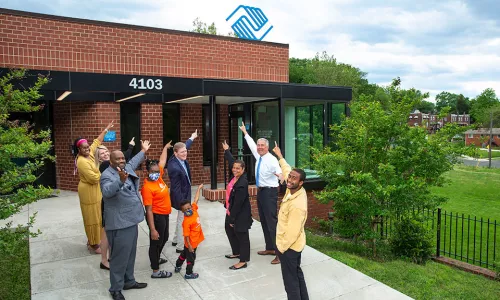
[{"x": 62, "y": 268}]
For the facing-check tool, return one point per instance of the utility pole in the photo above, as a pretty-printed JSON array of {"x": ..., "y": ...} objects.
[{"x": 491, "y": 137}]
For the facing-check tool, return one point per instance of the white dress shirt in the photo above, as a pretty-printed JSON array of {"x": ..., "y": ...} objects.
[{"x": 268, "y": 166}]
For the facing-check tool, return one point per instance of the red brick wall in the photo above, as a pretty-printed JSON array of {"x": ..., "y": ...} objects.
[
  {"x": 43, "y": 42},
  {"x": 79, "y": 119},
  {"x": 476, "y": 140},
  {"x": 52, "y": 43}
]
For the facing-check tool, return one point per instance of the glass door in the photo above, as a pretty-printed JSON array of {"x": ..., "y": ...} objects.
[{"x": 237, "y": 143}]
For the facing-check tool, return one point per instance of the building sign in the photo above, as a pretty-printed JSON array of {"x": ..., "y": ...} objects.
[
  {"x": 110, "y": 136},
  {"x": 252, "y": 23}
]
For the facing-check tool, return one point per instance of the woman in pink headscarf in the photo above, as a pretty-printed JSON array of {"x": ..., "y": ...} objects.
[{"x": 89, "y": 190}]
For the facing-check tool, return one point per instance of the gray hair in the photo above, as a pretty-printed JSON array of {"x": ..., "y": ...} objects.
[
  {"x": 178, "y": 146},
  {"x": 265, "y": 140}
]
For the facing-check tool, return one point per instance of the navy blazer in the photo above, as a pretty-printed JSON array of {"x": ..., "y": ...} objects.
[{"x": 180, "y": 188}]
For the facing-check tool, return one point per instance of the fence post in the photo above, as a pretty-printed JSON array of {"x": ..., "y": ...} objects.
[{"x": 438, "y": 239}]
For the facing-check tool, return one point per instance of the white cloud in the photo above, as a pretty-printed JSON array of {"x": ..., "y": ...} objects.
[{"x": 445, "y": 46}]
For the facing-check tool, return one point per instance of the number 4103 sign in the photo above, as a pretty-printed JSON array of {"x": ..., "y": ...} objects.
[{"x": 146, "y": 84}]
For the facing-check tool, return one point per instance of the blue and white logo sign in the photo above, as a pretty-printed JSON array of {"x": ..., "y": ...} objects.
[{"x": 252, "y": 23}]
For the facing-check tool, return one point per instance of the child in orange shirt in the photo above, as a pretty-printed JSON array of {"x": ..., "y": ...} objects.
[{"x": 193, "y": 235}]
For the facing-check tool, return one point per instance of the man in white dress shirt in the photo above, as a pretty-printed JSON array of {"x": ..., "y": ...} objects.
[{"x": 267, "y": 174}]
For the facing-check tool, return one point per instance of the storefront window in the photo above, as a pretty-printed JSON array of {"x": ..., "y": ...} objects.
[
  {"x": 130, "y": 125},
  {"x": 266, "y": 122},
  {"x": 304, "y": 129},
  {"x": 171, "y": 125}
]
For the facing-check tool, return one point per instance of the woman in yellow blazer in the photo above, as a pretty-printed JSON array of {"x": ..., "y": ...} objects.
[{"x": 89, "y": 190}]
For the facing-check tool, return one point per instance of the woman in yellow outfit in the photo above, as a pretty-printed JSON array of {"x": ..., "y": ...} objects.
[{"x": 89, "y": 191}]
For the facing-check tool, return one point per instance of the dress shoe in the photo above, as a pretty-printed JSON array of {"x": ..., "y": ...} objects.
[
  {"x": 102, "y": 266},
  {"x": 234, "y": 268},
  {"x": 162, "y": 261},
  {"x": 117, "y": 295},
  {"x": 136, "y": 285},
  {"x": 266, "y": 252},
  {"x": 275, "y": 261}
]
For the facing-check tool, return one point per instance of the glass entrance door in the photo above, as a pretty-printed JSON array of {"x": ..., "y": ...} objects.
[{"x": 238, "y": 145}]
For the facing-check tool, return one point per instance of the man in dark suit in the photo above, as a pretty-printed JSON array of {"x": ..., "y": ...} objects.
[
  {"x": 123, "y": 211},
  {"x": 179, "y": 174}
]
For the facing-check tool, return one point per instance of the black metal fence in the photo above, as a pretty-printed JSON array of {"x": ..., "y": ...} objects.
[{"x": 463, "y": 237}]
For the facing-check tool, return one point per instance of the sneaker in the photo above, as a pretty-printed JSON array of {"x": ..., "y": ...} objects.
[
  {"x": 177, "y": 269},
  {"x": 191, "y": 276},
  {"x": 161, "y": 274}
]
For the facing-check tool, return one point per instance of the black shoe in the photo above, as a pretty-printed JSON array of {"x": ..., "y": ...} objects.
[
  {"x": 234, "y": 268},
  {"x": 103, "y": 267},
  {"x": 178, "y": 251},
  {"x": 162, "y": 261},
  {"x": 136, "y": 285},
  {"x": 117, "y": 295},
  {"x": 174, "y": 244}
]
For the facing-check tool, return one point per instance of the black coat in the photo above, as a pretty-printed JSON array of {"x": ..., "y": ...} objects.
[{"x": 240, "y": 211}]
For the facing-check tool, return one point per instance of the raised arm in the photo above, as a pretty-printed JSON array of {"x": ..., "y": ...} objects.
[
  {"x": 227, "y": 154},
  {"x": 197, "y": 195},
  {"x": 190, "y": 140},
  {"x": 139, "y": 157},
  {"x": 250, "y": 141},
  {"x": 163, "y": 156},
  {"x": 283, "y": 168},
  {"x": 128, "y": 152}
]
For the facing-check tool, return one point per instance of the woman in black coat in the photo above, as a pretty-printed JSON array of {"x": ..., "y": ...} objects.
[{"x": 238, "y": 211}]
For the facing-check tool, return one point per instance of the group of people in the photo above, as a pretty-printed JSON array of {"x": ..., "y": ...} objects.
[{"x": 113, "y": 204}]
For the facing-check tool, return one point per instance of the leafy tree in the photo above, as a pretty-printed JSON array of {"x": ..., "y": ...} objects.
[
  {"x": 426, "y": 107},
  {"x": 381, "y": 167},
  {"x": 201, "y": 27},
  {"x": 482, "y": 104},
  {"x": 463, "y": 104},
  {"x": 445, "y": 99},
  {"x": 22, "y": 151},
  {"x": 324, "y": 69}
]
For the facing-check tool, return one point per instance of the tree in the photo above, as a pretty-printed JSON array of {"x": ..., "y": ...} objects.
[
  {"x": 426, "y": 107},
  {"x": 22, "y": 151},
  {"x": 324, "y": 69},
  {"x": 201, "y": 27},
  {"x": 481, "y": 106},
  {"x": 444, "y": 99},
  {"x": 381, "y": 167}
]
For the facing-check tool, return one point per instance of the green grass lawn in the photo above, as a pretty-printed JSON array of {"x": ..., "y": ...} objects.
[
  {"x": 473, "y": 191},
  {"x": 432, "y": 281},
  {"x": 484, "y": 154},
  {"x": 15, "y": 272}
]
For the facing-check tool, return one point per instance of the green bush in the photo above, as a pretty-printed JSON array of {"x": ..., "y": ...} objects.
[{"x": 410, "y": 238}]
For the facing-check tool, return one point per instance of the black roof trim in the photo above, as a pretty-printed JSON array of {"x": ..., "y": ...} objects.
[{"x": 21, "y": 13}]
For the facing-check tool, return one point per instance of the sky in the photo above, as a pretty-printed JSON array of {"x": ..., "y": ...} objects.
[{"x": 433, "y": 46}]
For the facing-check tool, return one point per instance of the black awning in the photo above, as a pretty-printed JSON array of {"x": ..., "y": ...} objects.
[{"x": 113, "y": 87}]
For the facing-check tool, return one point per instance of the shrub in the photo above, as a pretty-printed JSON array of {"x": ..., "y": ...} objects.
[{"x": 410, "y": 238}]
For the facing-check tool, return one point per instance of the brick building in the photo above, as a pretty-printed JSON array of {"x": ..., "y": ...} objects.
[
  {"x": 433, "y": 122},
  {"x": 162, "y": 85},
  {"x": 481, "y": 137}
]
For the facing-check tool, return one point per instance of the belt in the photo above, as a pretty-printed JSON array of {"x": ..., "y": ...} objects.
[{"x": 266, "y": 187}]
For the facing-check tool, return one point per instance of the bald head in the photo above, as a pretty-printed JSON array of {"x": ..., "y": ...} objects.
[{"x": 117, "y": 159}]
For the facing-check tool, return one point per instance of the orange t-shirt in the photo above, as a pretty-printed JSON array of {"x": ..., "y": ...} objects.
[
  {"x": 191, "y": 227},
  {"x": 156, "y": 193}
]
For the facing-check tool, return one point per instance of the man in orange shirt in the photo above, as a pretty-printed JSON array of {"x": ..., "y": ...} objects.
[
  {"x": 193, "y": 235},
  {"x": 156, "y": 200}
]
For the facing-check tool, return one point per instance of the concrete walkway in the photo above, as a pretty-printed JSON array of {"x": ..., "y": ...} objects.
[{"x": 62, "y": 268}]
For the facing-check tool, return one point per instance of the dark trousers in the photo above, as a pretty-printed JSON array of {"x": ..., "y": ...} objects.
[
  {"x": 156, "y": 246},
  {"x": 267, "y": 201},
  {"x": 293, "y": 278},
  {"x": 186, "y": 256},
  {"x": 239, "y": 241},
  {"x": 123, "y": 243}
]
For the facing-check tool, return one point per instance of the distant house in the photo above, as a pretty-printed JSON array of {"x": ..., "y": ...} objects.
[
  {"x": 481, "y": 137},
  {"x": 432, "y": 121}
]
